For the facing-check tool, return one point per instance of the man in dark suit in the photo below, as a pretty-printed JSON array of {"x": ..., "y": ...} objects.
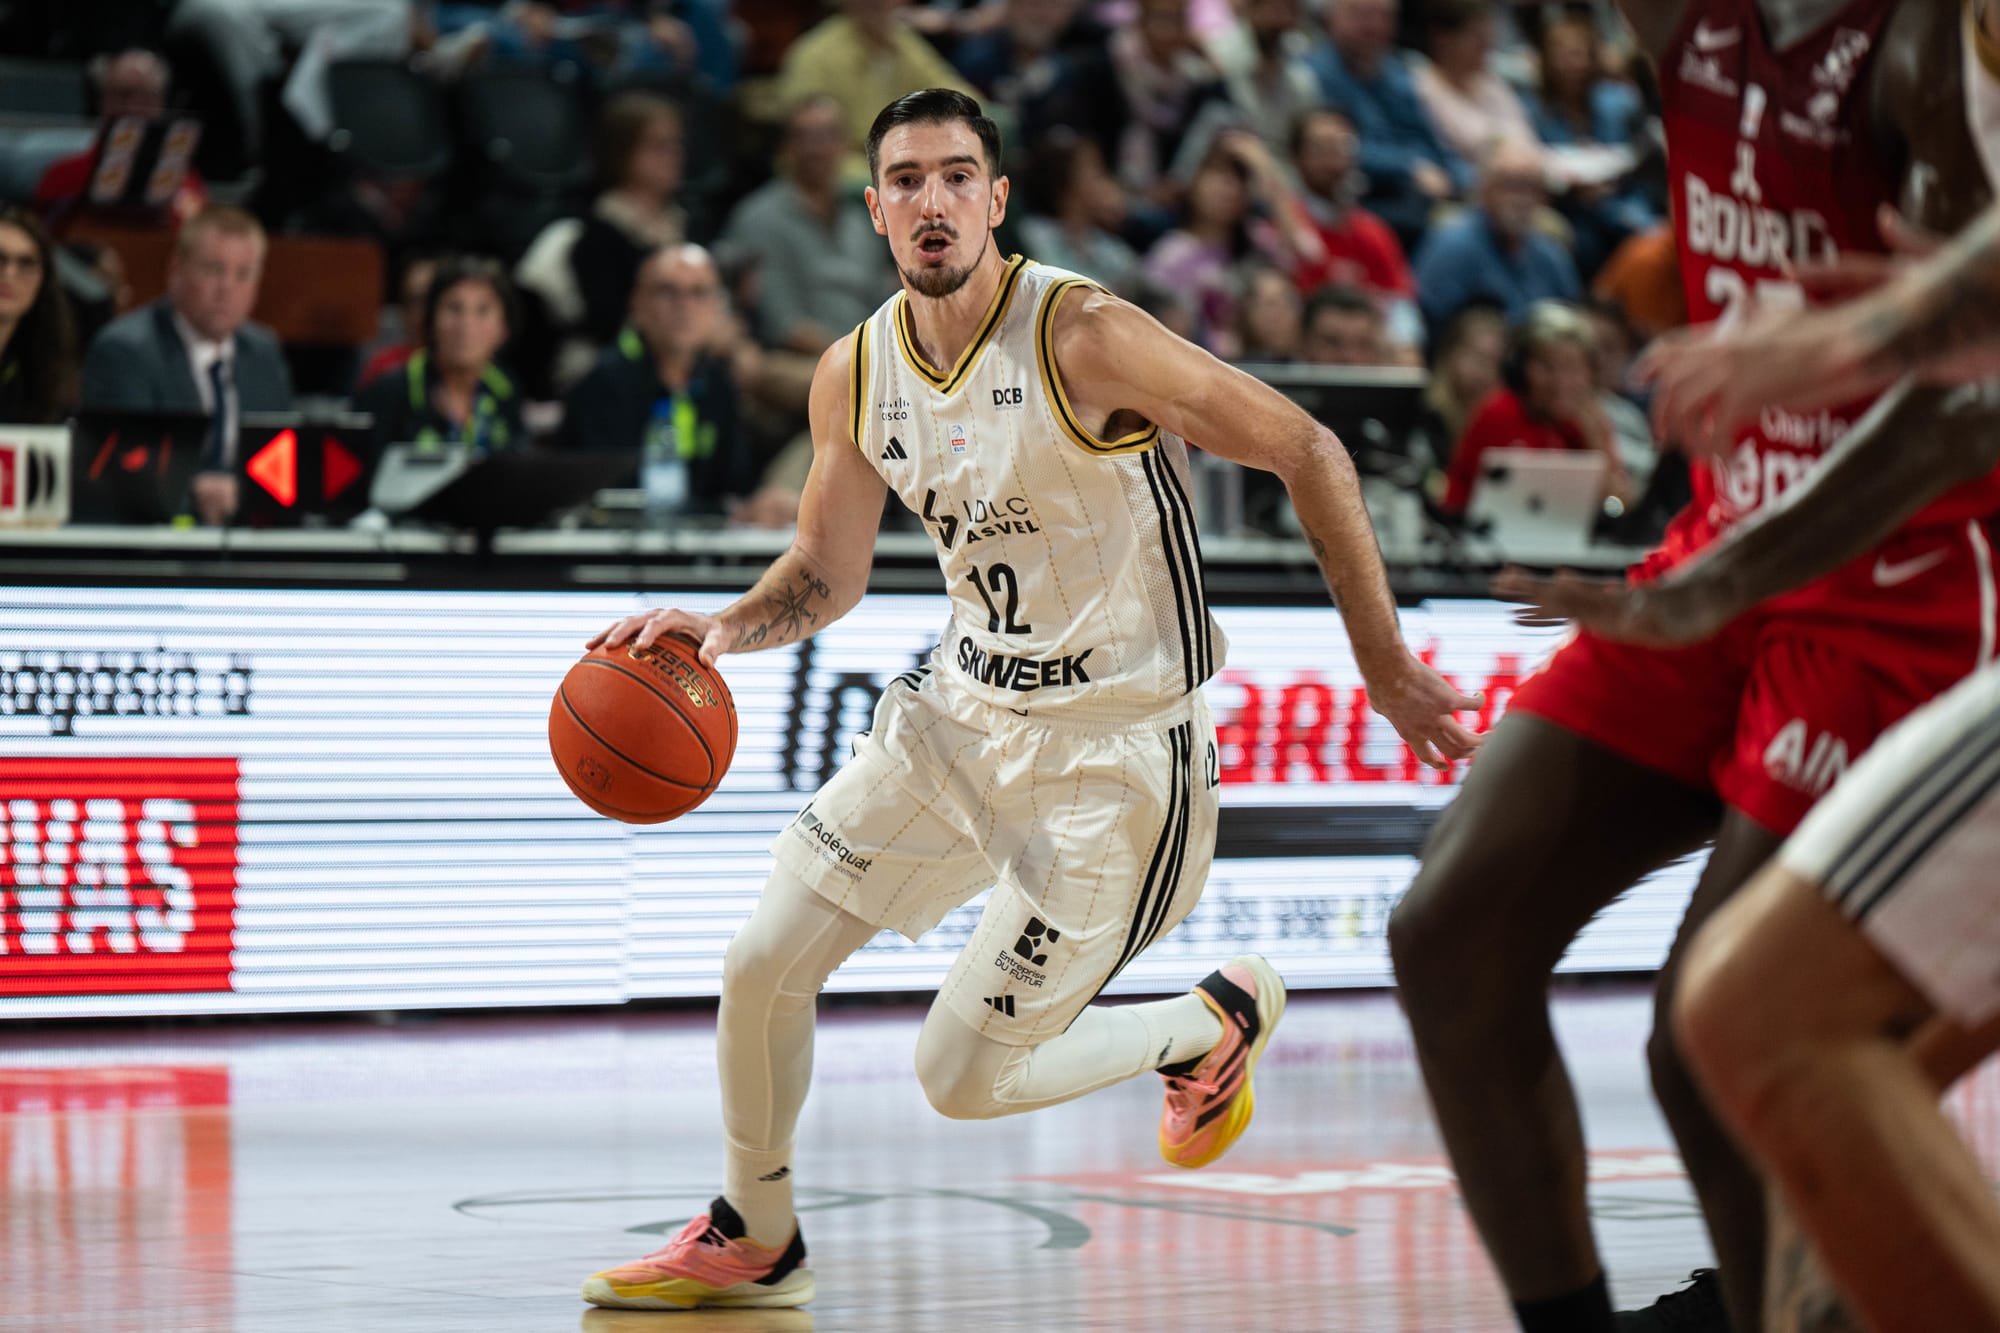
[{"x": 194, "y": 349}]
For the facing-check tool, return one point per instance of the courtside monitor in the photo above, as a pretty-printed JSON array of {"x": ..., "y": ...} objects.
[
  {"x": 134, "y": 467},
  {"x": 485, "y": 492},
  {"x": 1373, "y": 409}
]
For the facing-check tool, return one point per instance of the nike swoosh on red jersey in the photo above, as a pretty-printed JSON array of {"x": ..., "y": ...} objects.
[{"x": 1888, "y": 575}]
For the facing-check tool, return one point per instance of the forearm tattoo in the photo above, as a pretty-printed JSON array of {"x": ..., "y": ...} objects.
[
  {"x": 791, "y": 611},
  {"x": 1953, "y": 306}
]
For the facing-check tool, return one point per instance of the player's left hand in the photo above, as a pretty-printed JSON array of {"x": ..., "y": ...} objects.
[
  {"x": 1654, "y": 615},
  {"x": 1419, "y": 704}
]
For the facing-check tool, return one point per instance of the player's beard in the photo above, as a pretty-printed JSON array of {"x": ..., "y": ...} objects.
[{"x": 937, "y": 283}]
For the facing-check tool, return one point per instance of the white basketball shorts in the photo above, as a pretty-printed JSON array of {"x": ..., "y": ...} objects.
[
  {"x": 1908, "y": 846},
  {"x": 1096, "y": 837}
]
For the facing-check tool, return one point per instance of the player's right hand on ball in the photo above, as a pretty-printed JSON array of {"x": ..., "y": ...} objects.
[{"x": 643, "y": 629}]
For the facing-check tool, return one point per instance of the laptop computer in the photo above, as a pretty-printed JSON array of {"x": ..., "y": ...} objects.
[
  {"x": 133, "y": 467},
  {"x": 294, "y": 469},
  {"x": 1536, "y": 502}
]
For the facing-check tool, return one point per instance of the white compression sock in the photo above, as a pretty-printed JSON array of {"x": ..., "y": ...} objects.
[
  {"x": 1183, "y": 1028},
  {"x": 772, "y": 977}
]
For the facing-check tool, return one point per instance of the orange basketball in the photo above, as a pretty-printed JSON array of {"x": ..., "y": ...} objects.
[{"x": 642, "y": 734}]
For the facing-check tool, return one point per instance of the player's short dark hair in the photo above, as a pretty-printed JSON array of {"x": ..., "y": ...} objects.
[{"x": 934, "y": 106}]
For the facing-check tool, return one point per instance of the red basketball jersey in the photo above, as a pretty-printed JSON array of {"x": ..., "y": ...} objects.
[{"x": 1774, "y": 158}]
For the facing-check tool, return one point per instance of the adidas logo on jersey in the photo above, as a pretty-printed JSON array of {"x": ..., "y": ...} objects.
[
  {"x": 1003, "y": 1004},
  {"x": 895, "y": 450}
]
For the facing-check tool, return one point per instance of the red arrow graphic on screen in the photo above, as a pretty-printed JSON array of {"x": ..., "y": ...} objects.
[
  {"x": 338, "y": 466},
  {"x": 275, "y": 467}
]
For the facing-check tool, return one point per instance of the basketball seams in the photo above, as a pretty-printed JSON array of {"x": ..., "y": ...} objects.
[
  {"x": 604, "y": 807},
  {"x": 693, "y": 727},
  {"x": 562, "y": 693}
]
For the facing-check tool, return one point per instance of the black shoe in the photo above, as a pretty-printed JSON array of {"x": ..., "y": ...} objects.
[{"x": 1696, "y": 1308}]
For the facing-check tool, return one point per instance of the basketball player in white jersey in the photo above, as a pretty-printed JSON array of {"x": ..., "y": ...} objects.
[
  {"x": 1057, "y": 745},
  {"x": 1859, "y": 974}
]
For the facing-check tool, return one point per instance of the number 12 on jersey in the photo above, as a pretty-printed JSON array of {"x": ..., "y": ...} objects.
[{"x": 1002, "y": 582}]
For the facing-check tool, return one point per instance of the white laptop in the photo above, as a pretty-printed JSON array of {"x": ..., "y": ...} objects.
[{"x": 1531, "y": 503}]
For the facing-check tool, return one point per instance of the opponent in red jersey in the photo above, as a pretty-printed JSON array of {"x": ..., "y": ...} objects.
[{"x": 1790, "y": 123}]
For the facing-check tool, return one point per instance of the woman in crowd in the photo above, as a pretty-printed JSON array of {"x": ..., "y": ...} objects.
[
  {"x": 1464, "y": 370},
  {"x": 1547, "y": 400},
  {"x": 1270, "y": 318},
  {"x": 581, "y": 269},
  {"x": 1473, "y": 108},
  {"x": 1165, "y": 79},
  {"x": 1590, "y": 125},
  {"x": 451, "y": 391},
  {"x": 38, "y": 357},
  {"x": 1200, "y": 257}
]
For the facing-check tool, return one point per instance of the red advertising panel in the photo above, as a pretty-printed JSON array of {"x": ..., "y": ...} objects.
[{"x": 116, "y": 875}]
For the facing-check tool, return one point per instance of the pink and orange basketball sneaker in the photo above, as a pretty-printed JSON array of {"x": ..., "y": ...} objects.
[
  {"x": 1209, "y": 1100},
  {"x": 710, "y": 1263}
]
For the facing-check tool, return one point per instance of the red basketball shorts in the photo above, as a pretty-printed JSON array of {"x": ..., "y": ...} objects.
[{"x": 1769, "y": 713}]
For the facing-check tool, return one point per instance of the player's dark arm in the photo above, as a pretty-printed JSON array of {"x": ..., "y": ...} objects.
[
  {"x": 824, "y": 572},
  {"x": 1913, "y": 445},
  {"x": 1115, "y": 358},
  {"x": 1935, "y": 314}
]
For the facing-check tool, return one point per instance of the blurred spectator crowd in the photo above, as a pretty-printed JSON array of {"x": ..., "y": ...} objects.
[{"x": 635, "y": 224}]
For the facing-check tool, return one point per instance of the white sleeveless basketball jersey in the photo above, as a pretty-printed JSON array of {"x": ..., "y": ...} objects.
[{"x": 1072, "y": 562}]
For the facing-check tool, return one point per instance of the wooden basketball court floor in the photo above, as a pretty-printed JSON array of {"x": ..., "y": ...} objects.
[{"x": 465, "y": 1173}]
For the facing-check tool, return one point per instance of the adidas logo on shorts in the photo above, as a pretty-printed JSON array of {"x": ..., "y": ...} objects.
[{"x": 1002, "y": 1004}]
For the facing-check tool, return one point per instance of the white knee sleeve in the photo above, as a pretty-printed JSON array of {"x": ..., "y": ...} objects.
[
  {"x": 962, "y": 1072},
  {"x": 791, "y": 944}
]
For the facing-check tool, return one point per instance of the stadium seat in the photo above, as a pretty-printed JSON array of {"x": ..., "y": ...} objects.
[
  {"x": 390, "y": 121},
  {"x": 526, "y": 131},
  {"x": 27, "y": 152}
]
